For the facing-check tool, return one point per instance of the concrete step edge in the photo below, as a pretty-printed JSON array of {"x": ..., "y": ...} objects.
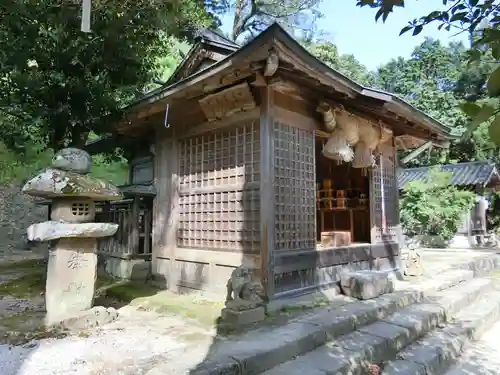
[
  {"x": 381, "y": 340},
  {"x": 481, "y": 266},
  {"x": 268, "y": 349},
  {"x": 437, "y": 352}
]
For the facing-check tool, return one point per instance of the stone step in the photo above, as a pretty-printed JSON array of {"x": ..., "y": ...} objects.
[
  {"x": 481, "y": 357},
  {"x": 382, "y": 340},
  {"x": 435, "y": 353}
]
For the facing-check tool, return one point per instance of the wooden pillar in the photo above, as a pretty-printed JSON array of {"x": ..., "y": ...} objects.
[
  {"x": 165, "y": 210},
  {"x": 396, "y": 188},
  {"x": 134, "y": 233},
  {"x": 267, "y": 227}
]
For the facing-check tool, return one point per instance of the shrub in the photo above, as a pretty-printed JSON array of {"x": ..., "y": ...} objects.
[{"x": 433, "y": 207}]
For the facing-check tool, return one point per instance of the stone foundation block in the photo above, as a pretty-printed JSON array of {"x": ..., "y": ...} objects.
[
  {"x": 128, "y": 269},
  {"x": 235, "y": 318},
  {"x": 95, "y": 317},
  {"x": 366, "y": 284}
]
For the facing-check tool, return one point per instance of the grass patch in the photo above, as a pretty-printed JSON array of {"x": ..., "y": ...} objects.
[
  {"x": 495, "y": 274},
  {"x": 128, "y": 291},
  {"x": 21, "y": 328},
  {"x": 28, "y": 286},
  {"x": 22, "y": 266},
  {"x": 147, "y": 297}
]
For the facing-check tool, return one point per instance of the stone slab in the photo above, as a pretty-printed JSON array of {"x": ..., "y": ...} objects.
[
  {"x": 397, "y": 337},
  {"x": 481, "y": 357},
  {"x": 324, "y": 360},
  {"x": 372, "y": 346},
  {"x": 365, "y": 284},
  {"x": 95, "y": 317},
  {"x": 402, "y": 367},
  {"x": 440, "y": 349},
  {"x": 418, "y": 319},
  {"x": 127, "y": 269},
  {"x": 244, "y": 317},
  {"x": 55, "y": 183},
  {"x": 53, "y": 230}
]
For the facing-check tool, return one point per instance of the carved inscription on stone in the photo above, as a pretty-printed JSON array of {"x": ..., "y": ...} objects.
[
  {"x": 74, "y": 288},
  {"x": 76, "y": 261}
]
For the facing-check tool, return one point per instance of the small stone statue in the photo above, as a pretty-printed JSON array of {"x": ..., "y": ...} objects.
[
  {"x": 242, "y": 292},
  {"x": 414, "y": 264},
  {"x": 239, "y": 277},
  {"x": 245, "y": 298}
]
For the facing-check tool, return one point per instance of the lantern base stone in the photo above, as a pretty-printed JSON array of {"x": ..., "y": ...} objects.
[{"x": 71, "y": 276}]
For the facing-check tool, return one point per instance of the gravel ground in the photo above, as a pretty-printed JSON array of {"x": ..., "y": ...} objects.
[{"x": 126, "y": 346}]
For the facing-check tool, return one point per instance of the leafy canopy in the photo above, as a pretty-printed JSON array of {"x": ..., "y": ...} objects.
[
  {"x": 58, "y": 84},
  {"x": 479, "y": 18}
]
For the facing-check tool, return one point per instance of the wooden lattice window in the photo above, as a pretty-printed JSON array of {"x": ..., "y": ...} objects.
[
  {"x": 390, "y": 197},
  {"x": 384, "y": 202},
  {"x": 219, "y": 190},
  {"x": 294, "y": 187}
]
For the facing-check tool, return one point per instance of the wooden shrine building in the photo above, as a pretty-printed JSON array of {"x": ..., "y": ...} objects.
[{"x": 234, "y": 143}]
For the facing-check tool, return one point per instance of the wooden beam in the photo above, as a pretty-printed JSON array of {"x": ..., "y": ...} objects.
[
  {"x": 214, "y": 125},
  {"x": 372, "y": 110},
  {"x": 412, "y": 155},
  {"x": 295, "y": 119}
]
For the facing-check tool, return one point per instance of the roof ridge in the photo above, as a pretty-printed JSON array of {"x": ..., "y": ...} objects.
[{"x": 485, "y": 162}]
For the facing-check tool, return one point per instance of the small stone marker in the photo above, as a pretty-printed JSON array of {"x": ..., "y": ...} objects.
[
  {"x": 365, "y": 284},
  {"x": 71, "y": 271},
  {"x": 413, "y": 266}
]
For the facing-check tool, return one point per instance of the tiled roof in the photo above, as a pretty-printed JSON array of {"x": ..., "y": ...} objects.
[
  {"x": 463, "y": 174},
  {"x": 214, "y": 36},
  {"x": 148, "y": 190}
]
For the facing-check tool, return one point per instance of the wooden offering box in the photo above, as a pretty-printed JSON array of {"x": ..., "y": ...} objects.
[{"x": 336, "y": 238}]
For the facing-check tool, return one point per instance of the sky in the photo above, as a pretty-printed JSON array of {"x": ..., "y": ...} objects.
[{"x": 355, "y": 31}]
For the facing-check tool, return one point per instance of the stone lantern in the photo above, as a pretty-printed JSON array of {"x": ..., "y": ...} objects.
[{"x": 72, "y": 265}]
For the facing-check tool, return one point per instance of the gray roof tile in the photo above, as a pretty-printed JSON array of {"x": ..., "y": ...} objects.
[{"x": 463, "y": 174}]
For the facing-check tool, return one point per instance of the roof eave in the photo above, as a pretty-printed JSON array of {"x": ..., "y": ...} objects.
[
  {"x": 335, "y": 78},
  {"x": 213, "y": 69}
]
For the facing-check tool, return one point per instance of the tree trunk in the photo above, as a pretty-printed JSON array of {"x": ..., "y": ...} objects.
[{"x": 237, "y": 18}]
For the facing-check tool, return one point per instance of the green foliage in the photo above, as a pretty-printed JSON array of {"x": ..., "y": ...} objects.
[
  {"x": 436, "y": 79},
  {"x": 15, "y": 168},
  {"x": 328, "y": 53},
  {"x": 481, "y": 20},
  {"x": 493, "y": 216},
  {"x": 434, "y": 207},
  {"x": 57, "y": 84}
]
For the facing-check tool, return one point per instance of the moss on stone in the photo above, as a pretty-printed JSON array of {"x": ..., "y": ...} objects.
[
  {"x": 128, "y": 291},
  {"x": 147, "y": 297},
  {"x": 26, "y": 326},
  {"x": 28, "y": 285},
  {"x": 51, "y": 183},
  {"x": 23, "y": 265}
]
